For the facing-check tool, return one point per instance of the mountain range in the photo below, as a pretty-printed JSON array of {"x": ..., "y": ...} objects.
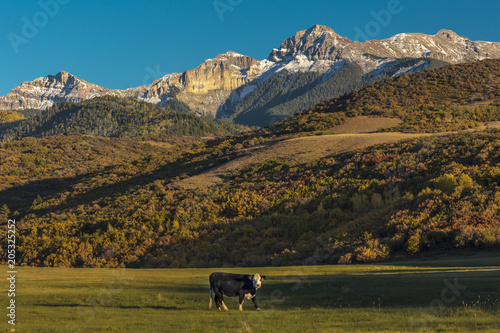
[{"x": 314, "y": 65}]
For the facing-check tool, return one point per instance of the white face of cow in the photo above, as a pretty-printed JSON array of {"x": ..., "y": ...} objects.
[{"x": 257, "y": 280}]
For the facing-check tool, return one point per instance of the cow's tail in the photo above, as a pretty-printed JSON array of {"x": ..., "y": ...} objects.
[{"x": 210, "y": 304}]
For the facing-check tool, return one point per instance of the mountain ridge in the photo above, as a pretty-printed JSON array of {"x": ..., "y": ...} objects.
[
  {"x": 218, "y": 85},
  {"x": 61, "y": 87}
]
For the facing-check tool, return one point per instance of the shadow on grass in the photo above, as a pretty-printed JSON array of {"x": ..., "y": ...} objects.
[
  {"x": 462, "y": 259},
  {"x": 73, "y": 305},
  {"x": 391, "y": 290},
  {"x": 427, "y": 270}
]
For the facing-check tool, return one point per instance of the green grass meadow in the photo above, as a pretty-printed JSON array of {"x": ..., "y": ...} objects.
[{"x": 445, "y": 295}]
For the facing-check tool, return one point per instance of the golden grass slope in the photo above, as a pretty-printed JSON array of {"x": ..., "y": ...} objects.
[{"x": 355, "y": 133}]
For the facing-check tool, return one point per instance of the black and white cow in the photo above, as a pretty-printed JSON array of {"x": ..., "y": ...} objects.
[{"x": 233, "y": 285}]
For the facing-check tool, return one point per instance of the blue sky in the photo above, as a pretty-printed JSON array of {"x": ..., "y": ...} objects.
[{"x": 125, "y": 43}]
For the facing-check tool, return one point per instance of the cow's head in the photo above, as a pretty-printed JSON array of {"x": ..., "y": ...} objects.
[{"x": 257, "y": 280}]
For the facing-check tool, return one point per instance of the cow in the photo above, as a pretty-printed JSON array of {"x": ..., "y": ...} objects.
[{"x": 232, "y": 285}]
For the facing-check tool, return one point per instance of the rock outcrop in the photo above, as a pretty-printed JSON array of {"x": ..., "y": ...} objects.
[{"x": 207, "y": 86}]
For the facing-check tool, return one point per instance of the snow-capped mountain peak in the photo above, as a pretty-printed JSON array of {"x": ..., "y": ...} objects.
[
  {"x": 43, "y": 92},
  {"x": 311, "y": 43},
  {"x": 231, "y": 76}
]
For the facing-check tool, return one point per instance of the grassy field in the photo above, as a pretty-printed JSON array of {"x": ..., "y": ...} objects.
[{"x": 447, "y": 295}]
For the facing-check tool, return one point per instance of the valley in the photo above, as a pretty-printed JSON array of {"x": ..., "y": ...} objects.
[{"x": 402, "y": 168}]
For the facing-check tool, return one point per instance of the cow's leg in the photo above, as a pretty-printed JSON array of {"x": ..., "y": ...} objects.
[
  {"x": 217, "y": 298},
  {"x": 217, "y": 302},
  {"x": 210, "y": 303},
  {"x": 242, "y": 298},
  {"x": 220, "y": 298},
  {"x": 223, "y": 304},
  {"x": 254, "y": 300}
]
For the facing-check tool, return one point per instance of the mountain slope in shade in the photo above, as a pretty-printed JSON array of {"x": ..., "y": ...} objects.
[
  {"x": 449, "y": 98},
  {"x": 218, "y": 86},
  {"x": 286, "y": 93},
  {"x": 322, "y": 51}
]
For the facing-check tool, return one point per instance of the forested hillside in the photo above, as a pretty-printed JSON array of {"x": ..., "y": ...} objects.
[
  {"x": 117, "y": 117},
  {"x": 86, "y": 201},
  {"x": 432, "y": 194},
  {"x": 443, "y": 99}
]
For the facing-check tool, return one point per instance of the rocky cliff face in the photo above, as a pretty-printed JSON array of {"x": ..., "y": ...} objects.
[
  {"x": 43, "y": 92},
  {"x": 316, "y": 43},
  {"x": 207, "y": 86},
  {"x": 229, "y": 77}
]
